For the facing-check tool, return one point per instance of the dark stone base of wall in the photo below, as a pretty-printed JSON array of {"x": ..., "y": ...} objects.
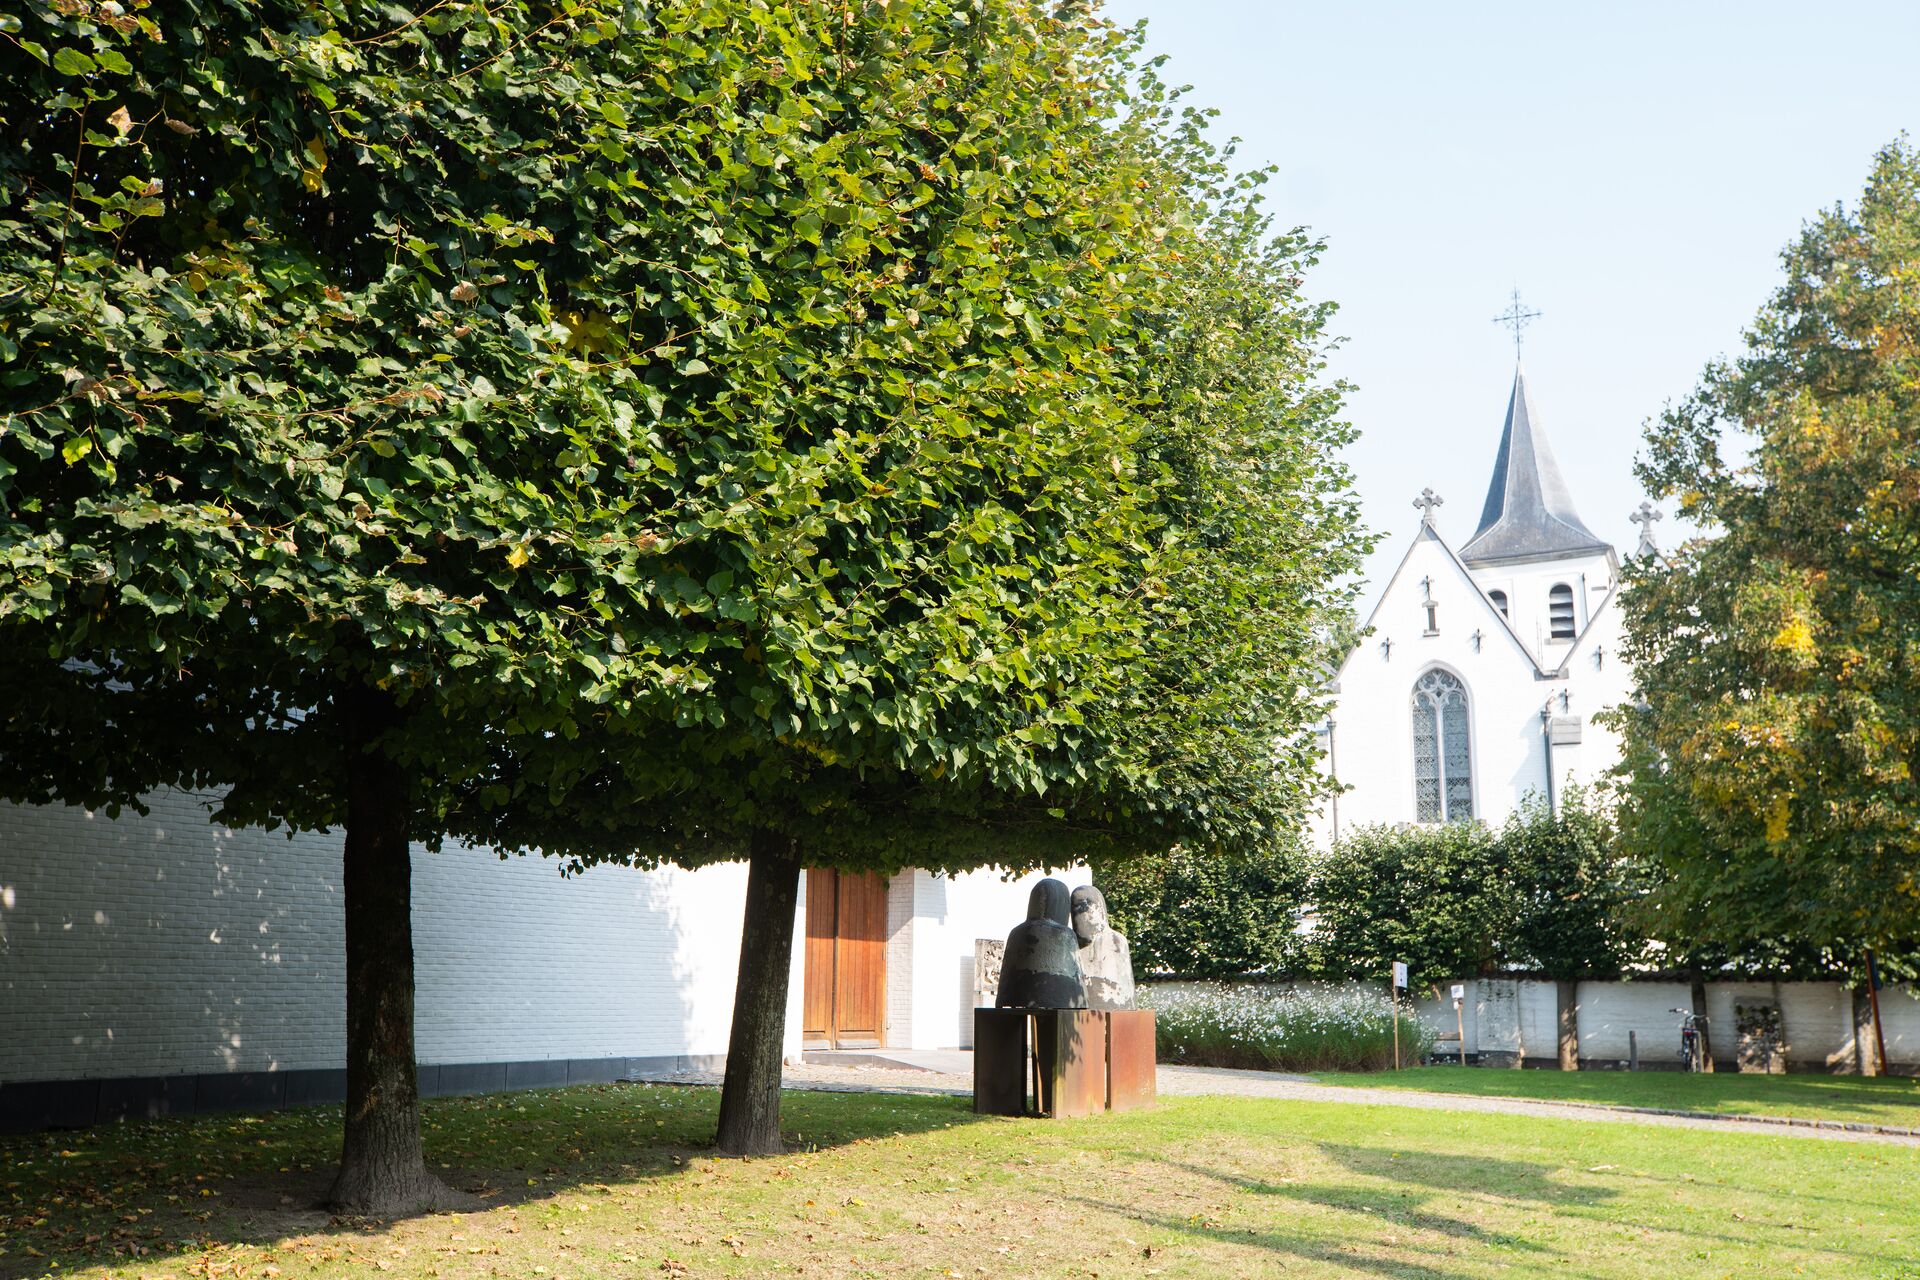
[{"x": 31, "y": 1105}]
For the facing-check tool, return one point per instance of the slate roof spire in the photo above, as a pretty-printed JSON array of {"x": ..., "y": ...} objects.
[{"x": 1529, "y": 514}]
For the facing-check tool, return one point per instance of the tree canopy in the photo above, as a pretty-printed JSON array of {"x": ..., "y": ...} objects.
[
  {"x": 1768, "y": 774},
  {"x": 638, "y": 435},
  {"x": 1046, "y": 614},
  {"x": 308, "y": 492}
]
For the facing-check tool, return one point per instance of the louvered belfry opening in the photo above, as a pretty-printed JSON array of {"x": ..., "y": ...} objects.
[{"x": 1560, "y": 612}]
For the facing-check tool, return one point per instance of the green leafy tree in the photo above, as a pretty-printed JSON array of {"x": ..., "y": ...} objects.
[
  {"x": 310, "y": 488},
  {"x": 1768, "y": 777},
  {"x": 663, "y": 436},
  {"x": 1423, "y": 895},
  {"x": 1544, "y": 893},
  {"x": 638, "y": 437},
  {"x": 1568, "y": 891},
  {"x": 991, "y": 622},
  {"x": 1200, "y": 914}
]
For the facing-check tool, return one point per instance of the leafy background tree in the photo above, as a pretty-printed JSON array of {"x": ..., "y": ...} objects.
[
  {"x": 1542, "y": 893},
  {"x": 1197, "y": 914},
  {"x": 1768, "y": 776}
]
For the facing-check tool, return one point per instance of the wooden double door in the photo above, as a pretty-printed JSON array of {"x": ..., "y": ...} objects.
[{"x": 846, "y": 960}]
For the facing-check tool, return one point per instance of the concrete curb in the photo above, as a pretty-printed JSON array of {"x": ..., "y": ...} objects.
[{"x": 1796, "y": 1122}]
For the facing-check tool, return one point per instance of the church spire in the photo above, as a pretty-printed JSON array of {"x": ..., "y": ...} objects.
[{"x": 1529, "y": 514}]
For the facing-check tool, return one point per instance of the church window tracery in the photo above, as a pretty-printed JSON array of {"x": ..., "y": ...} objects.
[
  {"x": 1560, "y": 612},
  {"x": 1442, "y": 749}
]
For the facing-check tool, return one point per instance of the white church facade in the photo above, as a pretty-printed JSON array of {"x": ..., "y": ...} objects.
[{"x": 1482, "y": 667}]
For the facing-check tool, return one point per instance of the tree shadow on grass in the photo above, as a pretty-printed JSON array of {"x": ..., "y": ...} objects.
[
  {"x": 1438, "y": 1174},
  {"x": 1723, "y": 1092},
  {"x": 173, "y": 1187},
  {"x": 1394, "y": 1188},
  {"x": 1385, "y": 1194},
  {"x": 1368, "y": 1200},
  {"x": 1291, "y": 1244}
]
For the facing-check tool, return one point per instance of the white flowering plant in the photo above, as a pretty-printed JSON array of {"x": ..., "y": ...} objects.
[{"x": 1268, "y": 1029}]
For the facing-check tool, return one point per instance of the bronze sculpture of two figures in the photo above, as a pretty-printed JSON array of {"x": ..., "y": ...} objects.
[
  {"x": 1065, "y": 1008},
  {"x": 1051, "y": 964}
]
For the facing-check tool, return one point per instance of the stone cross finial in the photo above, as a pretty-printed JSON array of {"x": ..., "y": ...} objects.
[
  {"x": 1645, "y": 517},
  {"x": 1427, "y": 501}
]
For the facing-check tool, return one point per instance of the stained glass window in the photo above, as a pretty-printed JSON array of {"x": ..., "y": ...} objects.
[{"x": 1442, "y": 750}]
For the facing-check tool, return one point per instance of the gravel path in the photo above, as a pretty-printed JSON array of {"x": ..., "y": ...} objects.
[{"x": 1218, "y": 1082}]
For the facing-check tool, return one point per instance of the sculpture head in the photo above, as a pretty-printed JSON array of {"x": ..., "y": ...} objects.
[
  {"x": 1089, "y": 912},
  {"x": 1048, "y": 901}
]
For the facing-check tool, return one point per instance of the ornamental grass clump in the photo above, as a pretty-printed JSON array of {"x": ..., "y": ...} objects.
[{"x": 1287, "y": 1030}]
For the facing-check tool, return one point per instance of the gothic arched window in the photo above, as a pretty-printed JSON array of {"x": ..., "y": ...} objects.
[
  {"x": 1560, "y": 611},
  {"x": 1442, "y": 753}
]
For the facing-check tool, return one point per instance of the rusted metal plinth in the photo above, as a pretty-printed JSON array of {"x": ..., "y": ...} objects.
[
  {"x": 1059, "y": 1062},
  {"x": 1130, "y": 1073}
]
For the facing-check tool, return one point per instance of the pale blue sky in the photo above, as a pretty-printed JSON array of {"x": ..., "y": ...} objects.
[{"x": 1634, "y": 168}]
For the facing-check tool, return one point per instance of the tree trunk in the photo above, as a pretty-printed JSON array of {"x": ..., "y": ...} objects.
[
  {"x": 1864, "y": 1061},
  {"x": 750, "y": 1099},
  {"x": 383, "y": 1170},
  {"x": 1569, "y": 1002},
  {"x": 1873, "y": 1003},
  {"x": 1697, "y": 997}
]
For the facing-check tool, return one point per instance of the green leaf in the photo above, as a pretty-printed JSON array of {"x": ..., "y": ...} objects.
[{"x": 72, "y": 62}]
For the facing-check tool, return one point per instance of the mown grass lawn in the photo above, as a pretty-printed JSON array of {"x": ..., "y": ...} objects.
[
  {"x": 611, "y": 1181},
  {"x": 1893, "y": 1101}
]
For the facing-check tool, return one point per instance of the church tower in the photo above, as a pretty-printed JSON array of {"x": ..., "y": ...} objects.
[
  {"x": 1545, "y": 571},
  {"x": 1477, "y": 682}
]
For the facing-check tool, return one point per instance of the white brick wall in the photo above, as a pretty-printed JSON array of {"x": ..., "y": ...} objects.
[
  {"x": 950, "y": 912},
  {"x": 165, "y": 945},
  {"x": 901, "y": 898}
]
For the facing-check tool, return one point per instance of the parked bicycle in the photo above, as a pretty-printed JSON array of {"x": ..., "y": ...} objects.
[{"x": 1692, "y": 1042}]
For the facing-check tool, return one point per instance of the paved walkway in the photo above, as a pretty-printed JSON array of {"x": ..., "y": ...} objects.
[{"x": 950, "y": 1072}]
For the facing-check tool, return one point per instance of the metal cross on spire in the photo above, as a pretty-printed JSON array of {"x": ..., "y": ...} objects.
[{"x": 1517, "y": 318}]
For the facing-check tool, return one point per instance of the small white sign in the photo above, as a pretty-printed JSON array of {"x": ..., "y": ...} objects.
[
  {"x": 1400, "y": 974},
  {"x": 1459, "y": 992}
]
